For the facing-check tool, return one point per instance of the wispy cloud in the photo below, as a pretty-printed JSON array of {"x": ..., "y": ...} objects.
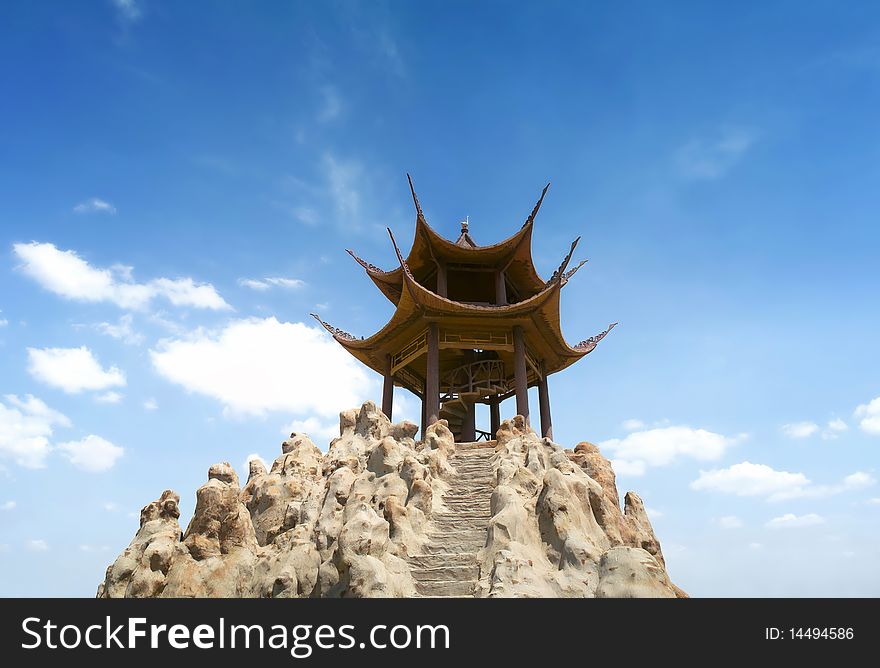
[
  {"x": 128, "y": 11},
  {"x": 709, "y": 158},
  {"x": 792, "y": 521},
  {"x": 121, "y": 330},
  {"x": 799, "y": 429},
  {"x": 263, "y": 284},
  {"x": 36, "y": 545},
  {"x": 95, "y": 205},
  {"x": 25, "y": 427},
  {"x": 331, "y": 104}
]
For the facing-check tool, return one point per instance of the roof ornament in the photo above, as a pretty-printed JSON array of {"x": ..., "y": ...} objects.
[
  {"x": 415, "y": 197},
  {"x": 335, "y": 331},
  {"x": 559, "y": 274},
  {"x": 372, "y": 268},
  {"x": 531, "y": 218},
  {"x": 403, "y": 264},
  {"x": 587, "y": 345},
  {"x": 464, "y": 239},
  {"x": 571, "y": 272}
]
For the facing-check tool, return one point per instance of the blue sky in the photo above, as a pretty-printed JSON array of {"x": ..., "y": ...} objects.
[{"x": 178, "y": 183}]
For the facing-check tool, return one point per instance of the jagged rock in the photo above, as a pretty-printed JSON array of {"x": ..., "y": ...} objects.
[{"x": 380, "y": 515}]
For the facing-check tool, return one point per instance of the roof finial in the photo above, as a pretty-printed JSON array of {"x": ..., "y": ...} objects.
[
  {"x": 464, "y": 224},
  {"x": 531, "y": 218},
  {"x": 415, "y": 198}
]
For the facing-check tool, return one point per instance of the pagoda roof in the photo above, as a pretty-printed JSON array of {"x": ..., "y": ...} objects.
[
  {"x": 514, "y": 254},
  {"x": 538, "y": 315}
]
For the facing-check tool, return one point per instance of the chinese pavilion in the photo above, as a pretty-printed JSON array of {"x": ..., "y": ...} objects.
[{"x": 473, "y": 324}]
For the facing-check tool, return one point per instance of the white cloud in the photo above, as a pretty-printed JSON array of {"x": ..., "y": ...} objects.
[
  {"x": 343, "y": 183},
  {"x": 792, "y": 521},
  {"x": 747, "y": 479},
  {"x": 95, "y": 205},
  {"x": 109, "y": 398},
  {"x": 122, "y": 330},
  {"x": 8, "y": 505},
  {"x": 127, "y": 10},
  {"x": 72, "y": 369},
  {"x": 305, "y": 214},
  {"x": 632, "y": 425},
  {"x": 869, "y": 417},
  {"x": 837, "y": 425},
  {"x": 263, "y": 284},
  {"x": 151, "y": 405},
  {"x": 111, "y": 507},
  {"x": 331, "y": 104},
  {"x": 255, "y": 366},
  {"x": 66, "y": 274},
  {"x": 800, "y": 429},
  {"x": 874, "y": 502},
  {"x": 730, "y": 522},
  {"x": 92, "y": 453},
  {"x": 639, "y": 450},
  {"x": 654, "y": 514},
  {"x": 709, "y": 159},
  {"x": 36, "y": 545},
  {"x": 320, "y": 431},
  {"x": 25, "y": 428}
]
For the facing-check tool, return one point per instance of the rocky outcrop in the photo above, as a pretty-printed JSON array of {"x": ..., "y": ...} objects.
[{"x": 381, "y": 515}]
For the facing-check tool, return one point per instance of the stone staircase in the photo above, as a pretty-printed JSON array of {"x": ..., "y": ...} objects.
[{"x": 447, "y": 566}]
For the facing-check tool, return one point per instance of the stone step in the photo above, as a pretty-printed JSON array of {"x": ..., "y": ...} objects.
[
  {"x": 457, "y": 588},
  {"x": 445, "y": 573},
  {"x": 450, "y": 559}
]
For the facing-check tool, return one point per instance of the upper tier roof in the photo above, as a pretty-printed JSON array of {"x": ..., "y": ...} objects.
[{"x": 514, "y": 255}]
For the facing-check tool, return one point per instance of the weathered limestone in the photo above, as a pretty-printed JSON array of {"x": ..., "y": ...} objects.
[{"x": 380, "y": 515}]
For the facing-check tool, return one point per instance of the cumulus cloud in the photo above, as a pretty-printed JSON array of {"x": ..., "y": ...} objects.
[
  {"x": 255, "y": 366},
  {"x": 869, "y": 417},
  {"x": 95, "y": 205},
  {"x": 800, "y": 429},
  {"x": 711, "y": 158},
  {"x": 634, "y": 453},
  {"x": 72, "y": 369},
  {"x": 151, "y": 405},
  {"x": 92, "y": 453},
  {"x": 747, "y": 479},
  {"x": 66, "y": 274},
  {"x": 263, "y": 284},
  {"x": 25, "y": 427},
  {"x": 792, "y": 521}
]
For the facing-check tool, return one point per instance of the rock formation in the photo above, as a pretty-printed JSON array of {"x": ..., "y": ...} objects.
[{"x": 381, "y": 515}]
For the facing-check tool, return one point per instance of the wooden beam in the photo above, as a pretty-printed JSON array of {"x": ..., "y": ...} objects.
[
  {"x": 495, "y": 417},
  {"x": 469, "y": 425}
]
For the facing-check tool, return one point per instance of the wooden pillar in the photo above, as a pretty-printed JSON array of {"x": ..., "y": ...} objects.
[
  {"x": 500, "y": 288},
  {"x": 424, "y": 413},
  {"x": 469, "y": 425},
  {"x": 388, "y": 389},
  {"x": 432, "y": 382},
  {"x": 441, "y": 279},
  {"x": 494, "y": 416},
  {"x": 544, "y": 401},
  {"x": 519, "y": 373}
]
